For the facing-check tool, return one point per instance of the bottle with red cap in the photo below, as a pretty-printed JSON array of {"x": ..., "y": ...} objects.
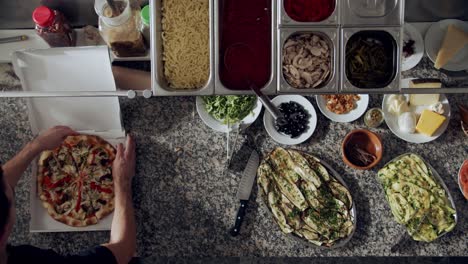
[{"x": 53, "y": 27}]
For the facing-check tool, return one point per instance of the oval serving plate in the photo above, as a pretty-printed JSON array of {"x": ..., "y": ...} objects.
[
  {"x": 439, "y": 179},
  {"x": 340, "y": 243}
]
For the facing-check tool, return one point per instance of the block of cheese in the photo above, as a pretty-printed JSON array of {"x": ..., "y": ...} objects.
[
  {"x": 455, "y": 39},
  {"x": 424, "y": 99},
  {"x": 429, "y": 122},
  {"x": 425, "y": 83}
]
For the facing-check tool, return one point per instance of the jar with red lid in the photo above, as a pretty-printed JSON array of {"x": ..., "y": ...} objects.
[{"x": 53, "y": 27}]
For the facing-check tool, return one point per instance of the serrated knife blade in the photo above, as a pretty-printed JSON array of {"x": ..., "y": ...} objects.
[
  {"x": 248, "y": 177},
  {"x": 245, "y": 188}
]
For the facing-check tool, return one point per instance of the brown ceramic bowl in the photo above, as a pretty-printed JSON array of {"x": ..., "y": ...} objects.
[{"x": 364, "y": 141}]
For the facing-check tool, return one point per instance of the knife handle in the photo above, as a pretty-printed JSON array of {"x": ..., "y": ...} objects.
[{"x": 239, "y": 218}]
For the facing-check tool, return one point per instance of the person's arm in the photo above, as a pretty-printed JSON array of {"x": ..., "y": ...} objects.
[
  {"x": 52, "y": 138},
  {"x": 130, "y": 79},
  {"x": 123, "y": 231}
]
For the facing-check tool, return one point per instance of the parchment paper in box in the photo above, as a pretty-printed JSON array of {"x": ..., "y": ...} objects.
[
  {"x": 95, "y": 116},
  {"x": 84, "y": 69}
]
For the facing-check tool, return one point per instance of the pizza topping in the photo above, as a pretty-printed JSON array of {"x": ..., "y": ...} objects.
[
  {"x": 78, "y": 203},
  {"x": 94, "y": 186},
  {"x": 50, "y": 185},
  {"x": 107, "y": 177}
]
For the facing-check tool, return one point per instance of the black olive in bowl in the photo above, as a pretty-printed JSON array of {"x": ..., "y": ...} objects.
[{"x": 297, "y": 119}]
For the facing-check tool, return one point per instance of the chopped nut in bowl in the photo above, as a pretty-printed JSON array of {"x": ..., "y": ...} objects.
[{"x": 307, "y": 60}]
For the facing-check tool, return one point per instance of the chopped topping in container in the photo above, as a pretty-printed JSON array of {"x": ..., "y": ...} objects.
[
  {"x": 306, "y": 61},
  {"x": 341, "y": 103},
  {"x": 309, "y": 10},
  {"x": 359, "y": 156},
  {"x": 229, "y": 109},
  {"x": 408, "y": 48},
  {"x": 297, "y": 119},
  {"x": 374, "y": 118},
  {"x": 186, "y": 43},
  {"x": 370, "y": 59}
]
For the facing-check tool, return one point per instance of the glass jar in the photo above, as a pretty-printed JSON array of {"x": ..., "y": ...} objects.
[
  {"x": 145, "y": 24},
  {"x": 374, "y": 117},
  {"x": 121, "y": 31},
  {"x": 53, "y": 27}
]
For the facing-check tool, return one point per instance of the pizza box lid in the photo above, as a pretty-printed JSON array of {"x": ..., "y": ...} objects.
[
  {"x": 65, "y": 70},
  {"x": 61, "y": 70},
  {"x": 68, "y": 69}
]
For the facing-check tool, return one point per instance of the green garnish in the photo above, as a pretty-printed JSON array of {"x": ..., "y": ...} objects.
[{"x": 231, "y": 108}]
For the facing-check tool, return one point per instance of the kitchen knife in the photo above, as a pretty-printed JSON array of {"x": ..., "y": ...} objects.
[{"x": 245, "y": 188}]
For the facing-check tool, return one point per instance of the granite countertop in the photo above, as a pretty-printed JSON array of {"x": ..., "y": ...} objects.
[{"x": 185, "y": 205}]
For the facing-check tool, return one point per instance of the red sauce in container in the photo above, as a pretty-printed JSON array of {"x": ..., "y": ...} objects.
[
  {"x": 309, "y": 10},
  {"x": 245, "y": 43}
]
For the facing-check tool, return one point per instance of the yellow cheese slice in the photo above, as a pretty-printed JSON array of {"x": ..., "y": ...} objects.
[
  {"x": 429, "y": 122},
  {"x": 455, "y": 40}
]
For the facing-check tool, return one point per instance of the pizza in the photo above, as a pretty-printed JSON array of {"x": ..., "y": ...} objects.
[{"x": 75, "y": 180}]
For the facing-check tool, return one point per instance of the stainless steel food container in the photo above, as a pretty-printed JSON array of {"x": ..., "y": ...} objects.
[
  {"x": 160, "y": 86},
  {"x": 394, "y": 85},
  {"x": 285, "y": 20},
  {"x": 270, "y": 87},
  {"x": 332, "y": 36},
  {"x": 372, "y": 12}
]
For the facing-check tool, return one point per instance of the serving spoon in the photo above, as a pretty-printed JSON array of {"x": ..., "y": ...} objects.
[{"x": 244, "y": 71}]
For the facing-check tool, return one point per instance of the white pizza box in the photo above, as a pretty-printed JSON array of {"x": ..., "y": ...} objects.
[
  {"x": 88, "y": 115},
  {"x": 65, "y": 71}
]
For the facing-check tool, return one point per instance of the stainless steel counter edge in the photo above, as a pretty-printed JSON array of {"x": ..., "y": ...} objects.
[
  {"x": 332, "y": 86},
  {"x": 159, "y": 85},
  {"x": 270, "y": 88},
  {"x": 26, "y": 94}
]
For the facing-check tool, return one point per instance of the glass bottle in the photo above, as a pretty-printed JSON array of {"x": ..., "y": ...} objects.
[
  {"x": 53, "y": 27},
  {"x": 121, "y": 31}
]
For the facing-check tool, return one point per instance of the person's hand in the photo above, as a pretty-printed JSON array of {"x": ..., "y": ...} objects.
[
  {"x": 123, "y": 168},
  {"x": 53, "y": 137}
]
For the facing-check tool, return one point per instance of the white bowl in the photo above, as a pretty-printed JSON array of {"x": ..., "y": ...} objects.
[
  {"x": 281, "y": 138},
  {"x": 410, "y": 32},
  {"x": 361, "y": 107},
  {"x": 218, "y": 125}
]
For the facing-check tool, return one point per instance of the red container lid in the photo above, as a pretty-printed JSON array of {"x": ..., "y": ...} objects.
[{"x": 43, "y": 16}]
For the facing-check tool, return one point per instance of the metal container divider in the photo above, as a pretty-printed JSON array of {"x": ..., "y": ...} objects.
[
  {"x": 160, "y": 86},
  {"x": 395, "y": 17},
  {"x": 285, "y": 20},
  {"x": 394, "y": 86},
  {"x": 332, "y": 37},
  {"x": 270, "y": 88}
]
